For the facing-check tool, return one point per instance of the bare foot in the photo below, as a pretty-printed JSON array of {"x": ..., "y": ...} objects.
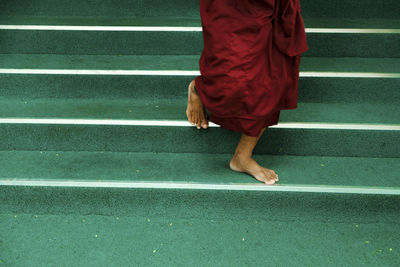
[
  {"x": 250, "y": 166},
  {"x": 195, "y": 110}
]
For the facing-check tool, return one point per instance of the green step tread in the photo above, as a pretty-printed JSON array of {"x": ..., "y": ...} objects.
[
  {"x": 123, "y": 240},
  {"x": 150, "y": 227},
  {"x": 174, "y": 109},
  {"x": 185, "y": 21},
  {"x": 190, "y": 8},
  {"x": 196, "y": 168},
  {"x": 381, "y": 45},
  {"x": 312, "y": 89},
  {"x": 183, "y": 62}
]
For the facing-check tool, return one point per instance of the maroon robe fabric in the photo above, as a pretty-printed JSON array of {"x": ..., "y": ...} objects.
[{"x": 250, "y": 61}]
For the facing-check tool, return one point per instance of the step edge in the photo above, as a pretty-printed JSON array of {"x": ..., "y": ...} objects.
[
  {"x": 331, "y": 74},
  {"x": 184, "y": 123},
  {"x": 204, "y": 186},
  {"x": 179, "y": 29}
]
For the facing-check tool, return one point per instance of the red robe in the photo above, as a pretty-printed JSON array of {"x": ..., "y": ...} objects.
[{"x": 250, "y": 61}]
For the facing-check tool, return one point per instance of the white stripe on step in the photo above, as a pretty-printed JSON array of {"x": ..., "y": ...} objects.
[
  {"x": 201, "y": 186},
  {"x": 172, "y": 123},
  {"x": 101, "y": 72},
  {"x": 99, "y": 28},
  {"x": 349, "y": 74},
  {"x": 188, "y": 73},
  {"x": 350, "y": 30},
  {"x": 173, "y": 28}
]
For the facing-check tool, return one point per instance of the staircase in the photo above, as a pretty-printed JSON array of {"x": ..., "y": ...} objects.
[{"x": 99, "y": 166}]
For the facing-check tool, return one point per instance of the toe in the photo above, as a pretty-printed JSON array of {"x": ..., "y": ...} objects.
[
  {"x": 197, "y": 121},
  {"x": 193, "y": 120},
  {"x": 276, "y": 176},
  {"x": 271, "y": 178},
  {"x": 270, "y": 182},
  {"x": 271, "y": 174},
  {"x": 190, "y": 116},
  {"x": 204, "y": 122}
]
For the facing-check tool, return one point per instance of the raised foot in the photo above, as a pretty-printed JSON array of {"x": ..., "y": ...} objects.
[
  {"x": 195, "y": 110},
  {"x": 250, "y": 166}
]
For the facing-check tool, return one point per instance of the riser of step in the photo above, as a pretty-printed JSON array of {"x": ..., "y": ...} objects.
[
  {"x": 190, "y": 8},
  {"x": 180, "y": 43},
  {"x": 29, "y": 87},
  {"x": 276, "y": 141}
]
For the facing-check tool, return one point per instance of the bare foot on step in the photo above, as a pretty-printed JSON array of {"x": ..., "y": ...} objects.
[
  {"x": 250, "y": 166},
  {"x": 195, "y": 110}
]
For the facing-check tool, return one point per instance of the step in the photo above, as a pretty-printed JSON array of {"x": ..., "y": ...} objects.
[
  {"x": 348, "y": 23},
  {"x": 183, "y": 62},
  {"x": 114, "y": 226},
  {"x": 317, "y": 89},
  {"x": 181, "y": 41},
  {"x": 341, "y": 9},
  {"x": 311, "y": 139},
  {"x": 174, "y": 110},
  {"x": 322, "y": 173},
  {"x": 322, "y": 80},
  {"x": 195, "y": 21}
]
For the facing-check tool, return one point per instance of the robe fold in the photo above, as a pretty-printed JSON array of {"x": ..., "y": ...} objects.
[{"x": 250, "y": 62}]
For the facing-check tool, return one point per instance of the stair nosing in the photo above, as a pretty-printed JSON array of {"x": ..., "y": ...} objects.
[
  {"x": 181, "y": 28},
  {"x": 204, "y": 186},
  {"x": 327, "y": 74},
  {"x": 184, "y": 123}
]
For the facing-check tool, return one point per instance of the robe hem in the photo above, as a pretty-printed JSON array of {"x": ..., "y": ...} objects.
[{"x": 250, "y": 127}]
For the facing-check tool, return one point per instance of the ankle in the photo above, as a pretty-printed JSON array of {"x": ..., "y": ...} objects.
[
  {"x": 242, "y": 155},
  {"x": 193, "y": 89}
]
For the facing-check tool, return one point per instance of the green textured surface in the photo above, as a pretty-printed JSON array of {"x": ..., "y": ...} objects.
[
  {"x": 120, "y": 21},
  {"x": 195, "y": 168},
  {"x": 180, "y": 43},
  {"x": 78, "y": 226},
  {"x": 182, "y": 62},
  {"x": 177, "y": 227},
  {"x": 174, "y": 109},
  {"x": 325, "y": 142},
  {"x": 365, "y": 23},
  {"x": 353, "y": 45},
  {"x": 368, "y": 23},
  {"x": 311, "y": 89},
  {"x": 190, "y": 8},
  {"x": 342, "y": 9}
]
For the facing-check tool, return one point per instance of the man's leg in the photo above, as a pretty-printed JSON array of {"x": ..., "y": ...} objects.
[{"x": 243, "y": 162}]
